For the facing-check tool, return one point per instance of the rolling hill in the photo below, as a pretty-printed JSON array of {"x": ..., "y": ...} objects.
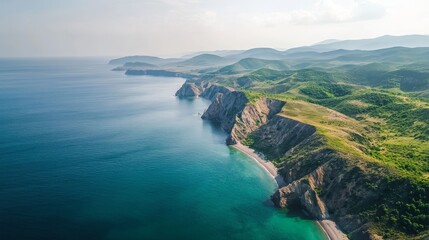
[
  {"x": 146, "y": 59},
  {"x": 249, "y": 64},
  {"x": 261, "y": 53},
  {"x": 203, "y": 60},
  {"x": 387, "y": 41}
]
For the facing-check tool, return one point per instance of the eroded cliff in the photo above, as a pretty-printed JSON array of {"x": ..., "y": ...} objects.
[
  {"x": 327, "y": 183},
  {"x": 231, "y": 109}
]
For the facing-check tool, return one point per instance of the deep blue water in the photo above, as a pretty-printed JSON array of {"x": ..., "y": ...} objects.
[{"x": 87, "y": 153}]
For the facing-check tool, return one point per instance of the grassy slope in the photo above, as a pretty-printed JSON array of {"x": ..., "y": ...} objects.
[
  {"x": 397, "y": 125},
  {"x": 383, "y": 125},
  {"x": 373, "y": 105},
  {"x": 396, "y": 216}
]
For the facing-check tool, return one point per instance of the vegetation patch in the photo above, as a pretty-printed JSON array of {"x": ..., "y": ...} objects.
[
  {"x": 325, "y": 90},
  {"x": 369, "y": 107}
]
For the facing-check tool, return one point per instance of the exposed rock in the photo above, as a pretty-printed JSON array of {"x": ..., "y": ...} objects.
[
  {"x": 211, "y": 90},
  {"x": 189, "y": 89},
  {"x": 235, "y": 114},
  {"x": 324, "y": 182},
  {"x": 224, "y": 109},
  {"x": 252, "y": 117},
  {"x": 280, "y": 135},
  {"x": 327, "y": 184},
  {"x": 301, "y": 193}
]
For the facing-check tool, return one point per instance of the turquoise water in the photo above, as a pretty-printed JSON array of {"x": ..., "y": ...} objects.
[{"x": 87, "y": 153}]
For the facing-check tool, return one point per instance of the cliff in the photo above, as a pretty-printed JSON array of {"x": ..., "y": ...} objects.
[
  {"x": 252, "y": 117},
  {"x": 209, "y": 91},
  {"x": 224, "y": 109},
  {"x": 280, "y": 135},
  {"x": 326, "y": 182},
  {"x": 189, "y": 90}
]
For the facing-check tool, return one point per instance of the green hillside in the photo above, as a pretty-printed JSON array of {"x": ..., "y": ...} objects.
[
  {"x": 249, "y": 64},
  {"x": 367, "y": 105},
  {"x": 202, "y": 60}
]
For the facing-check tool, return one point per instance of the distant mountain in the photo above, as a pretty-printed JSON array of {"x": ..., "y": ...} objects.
[
  {"x": 410, "y": 41},
  {"x": 133, "y": 65},
  {"x": 261, "y": 53},
  {"x": 145, "y": 59},
  {"x": 398, "y": 55},
  {"x": 203, "y": 60},
  {"x": 395, "y": 56},
  {"x": 385, "y": 54},
  {"x": 220, "y": 53},
  {"x": 329, "y": 53},
  {"x": 313, "y": 55},
  {"x": 387, "y": 41},
  {"x": 251, "y": 64}
]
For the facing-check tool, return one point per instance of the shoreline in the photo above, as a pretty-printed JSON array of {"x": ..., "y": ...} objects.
[
  {"x": 331, "y": 230},
  {"x": 329, "y": 227},
  {"x": 266, "y": 165}
]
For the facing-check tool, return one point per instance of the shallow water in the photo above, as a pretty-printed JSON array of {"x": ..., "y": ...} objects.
[{"x": 87, "y": 153}]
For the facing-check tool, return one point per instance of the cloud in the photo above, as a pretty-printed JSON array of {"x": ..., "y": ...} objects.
[
  {"x": 335, "y": 11},
  {"x": 166, "y": 27}
]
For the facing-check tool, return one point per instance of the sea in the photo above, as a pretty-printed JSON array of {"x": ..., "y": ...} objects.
[{"x": 90, "y": 153}]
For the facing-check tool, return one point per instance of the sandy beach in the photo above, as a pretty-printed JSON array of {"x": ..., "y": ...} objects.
[
  {"x": 267, "y": 165},
  {"x": 329, "y": 227}
]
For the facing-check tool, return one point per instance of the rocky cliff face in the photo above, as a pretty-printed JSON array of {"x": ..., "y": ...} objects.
[
  {"x": 252, "y": 117},
  {"x": 326, "y": 183},
  {"x": 199, "y": 88},
  {"x": 237, "y": 116},
  {"x": 189, "y": 89},
  {"x": 224, "y": 109},
  {"x": 274, "y": 135},
  {"x": 231, "y": 109},
  {"x": 280, "y": 135},
  {"x": 301, "y": 193},
  {"x": 211, "y": 90}
]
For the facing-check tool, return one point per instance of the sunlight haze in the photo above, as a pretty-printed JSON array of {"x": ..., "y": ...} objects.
[{"x": 176, "y": 27}]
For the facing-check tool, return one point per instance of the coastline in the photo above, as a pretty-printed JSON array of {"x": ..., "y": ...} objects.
[
  {"x": 331, "y": 230},
  {"x": 329, "y": 227},
  {"x": 266, "y": 165}
]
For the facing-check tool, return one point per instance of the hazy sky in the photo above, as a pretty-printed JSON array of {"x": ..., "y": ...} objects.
[{"x": 172, "y": 27}]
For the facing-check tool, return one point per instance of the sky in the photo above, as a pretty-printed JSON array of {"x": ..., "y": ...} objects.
[{"x": 53, "y": 28}]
